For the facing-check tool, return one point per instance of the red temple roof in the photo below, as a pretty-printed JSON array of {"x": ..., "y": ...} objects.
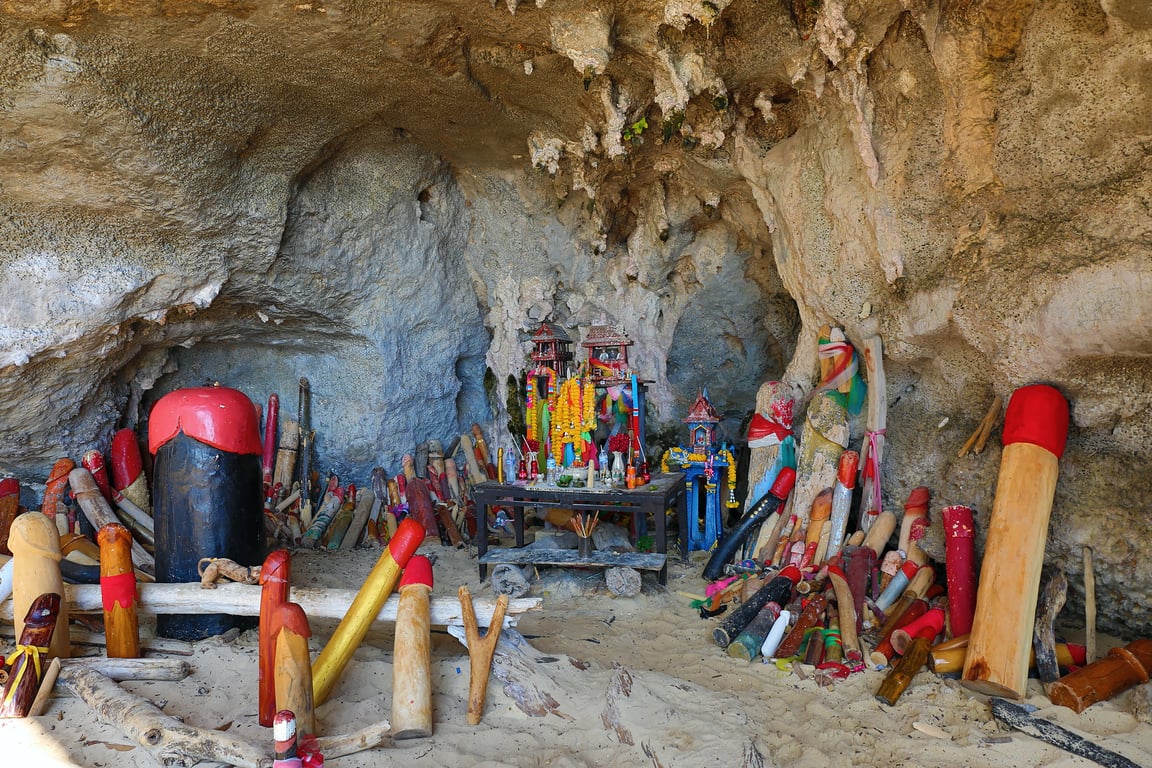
[
  {"x": 702, "y": 411},
  {"x": 551, "y": 332},
  {"x": 605, "y": 336}
]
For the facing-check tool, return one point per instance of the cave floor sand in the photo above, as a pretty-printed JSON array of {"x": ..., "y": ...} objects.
[{"x": 636, "y": 682}]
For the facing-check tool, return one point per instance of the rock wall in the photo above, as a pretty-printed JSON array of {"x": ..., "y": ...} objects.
[{"x": 387, "y": 198}]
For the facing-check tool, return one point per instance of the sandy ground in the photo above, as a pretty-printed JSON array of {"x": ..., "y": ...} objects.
[{"x": 632, "y": 682}]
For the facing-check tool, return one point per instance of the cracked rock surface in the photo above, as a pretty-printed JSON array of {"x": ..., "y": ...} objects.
[{"x": 387, "y": 198}]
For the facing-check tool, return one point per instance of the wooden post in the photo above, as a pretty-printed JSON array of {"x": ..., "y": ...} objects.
[
  {"x": 286, "y": 454},
  {"x": 329, "y": 506},
  {"x": 118, "y": 588},
  {"x": 47, "y": 683},
  {"x": 292, "y": 667},
  {"x": 268, "y": 454},
  {"x": 812, "y": 615},
  {"x": 1089, "y": 605},
  {"x": 480, "y": 651},
  {"x": 35, "y": 544},
  {"x": 1035, "y": 431},
  {"x": 420, "y": 500},
  {"x": 881, "y": 529},
  {"x": 1053, "y": 594},
  {"x": 846, "y": 608},
  {"x": 275, "y": 578},
  {"x": 412, "y": 659},
  {"x": 872, "y": 450},
  {"x": 375, "y": 590},
  {"x": 365, "y": 503},
  {"x": 903, "y": 671}
]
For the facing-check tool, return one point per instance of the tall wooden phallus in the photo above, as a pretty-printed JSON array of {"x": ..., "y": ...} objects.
[
  {"x": 35, "y": 544},
  {"x": 1035, "y": 431},
  {"x": 292, "y": 666},
  {"x": 275, "y": 580},
  {"x": 375, "y": 590},
  {"x": 412, "y": 665},
  {"x": 207, "y": 489},
  {"x": 118, "y": 591}
]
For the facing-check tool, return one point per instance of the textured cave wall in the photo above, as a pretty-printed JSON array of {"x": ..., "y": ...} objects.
[
  {"x": 389, "y": 197},
  {"x": 367, "y": 297}
]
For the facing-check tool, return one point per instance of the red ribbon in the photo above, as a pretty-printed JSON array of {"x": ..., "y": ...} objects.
[
  {"x": 120, "y": 588},
  {"x": 765, "y": 432}
]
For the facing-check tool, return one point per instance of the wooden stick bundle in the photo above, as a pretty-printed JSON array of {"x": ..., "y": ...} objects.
[{"x": 976, "y": 441}]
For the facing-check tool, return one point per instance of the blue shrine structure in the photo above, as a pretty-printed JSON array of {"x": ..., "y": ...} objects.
[{"x": 706, "y": 463}]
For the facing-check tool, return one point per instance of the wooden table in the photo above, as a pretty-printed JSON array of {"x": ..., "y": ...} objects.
[{"x": 664, "y": 491}]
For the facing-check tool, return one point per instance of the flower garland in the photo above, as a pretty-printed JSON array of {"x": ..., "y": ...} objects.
[
  {"x": 532, "y": 413},
  {"x": 575, "y": 414},
  {"x": 685, "y": 459}
]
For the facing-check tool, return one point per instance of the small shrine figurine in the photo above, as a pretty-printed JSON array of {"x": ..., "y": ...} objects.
[
  {"x": 607, "y": 355},
  {"x": 702, "y": 462},
  {"x": 552, "y": 348}
]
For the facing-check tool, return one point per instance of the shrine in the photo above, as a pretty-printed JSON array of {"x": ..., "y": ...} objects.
[{"x": 702, "y": 462}]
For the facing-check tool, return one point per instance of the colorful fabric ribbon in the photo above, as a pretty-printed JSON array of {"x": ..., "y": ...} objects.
[
  {"x": 32, "y": 651},
  {"x": 764, "y": 432}
]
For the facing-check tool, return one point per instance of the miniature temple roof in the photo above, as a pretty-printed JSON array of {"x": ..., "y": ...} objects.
[
  {"x": 551, "y": 332},
  {"x": 702, "y": 411},
  {"x": 605, "y": 336}
]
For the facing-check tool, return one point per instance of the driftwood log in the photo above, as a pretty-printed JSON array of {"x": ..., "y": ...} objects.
[
  {"x": 1053, "y": 594},
  {"x": 244, "y": 600},
  {"x": 174, "y": 743},
  {"x": 149, "y": 644},
  {"x": 171, "y": 670},
  {"x": 169, "y": 740},
  {"x": 521, "y": 668}
]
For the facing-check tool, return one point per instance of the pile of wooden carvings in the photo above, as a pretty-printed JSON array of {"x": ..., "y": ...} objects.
[
  {"x": 430, "y": 488},
  {"x": 291, "y": 684},
  {"x": 815, "y": 598}
]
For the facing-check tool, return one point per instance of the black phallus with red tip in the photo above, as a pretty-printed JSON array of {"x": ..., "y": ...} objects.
[{"x": 207, "y": 493}]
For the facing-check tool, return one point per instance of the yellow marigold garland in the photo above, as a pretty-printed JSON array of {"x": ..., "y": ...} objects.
[
  {"x": 574, "y": 414},
  {"x": 682, "y": 457},
  {"x": 532, "y": 415}
]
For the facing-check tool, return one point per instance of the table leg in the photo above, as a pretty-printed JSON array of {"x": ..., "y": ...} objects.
[
  {"x": 661, "y": 540},
  {"x": 682, "y": 524},
  {"x": 518, "y": 524},
  {"x": 481, "y": 533}
]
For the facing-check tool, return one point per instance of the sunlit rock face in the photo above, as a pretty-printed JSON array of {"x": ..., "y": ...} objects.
[{"x": 387, "y": 198}]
